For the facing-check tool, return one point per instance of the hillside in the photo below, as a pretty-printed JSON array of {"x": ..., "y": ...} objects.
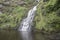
[
  {"x": 48, "y": 15},
  {"x": 13, "y": 11}
]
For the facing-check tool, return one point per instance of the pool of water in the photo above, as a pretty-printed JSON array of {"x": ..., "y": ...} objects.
[{"x": 16, "y": 35}]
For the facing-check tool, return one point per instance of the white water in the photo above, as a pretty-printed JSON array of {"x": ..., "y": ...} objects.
[
  {"x": 26, "y": 23},
  {"x": 25, "y": 27}
]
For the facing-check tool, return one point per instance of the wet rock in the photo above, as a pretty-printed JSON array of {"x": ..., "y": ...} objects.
[{"x": 1, "y": 5}]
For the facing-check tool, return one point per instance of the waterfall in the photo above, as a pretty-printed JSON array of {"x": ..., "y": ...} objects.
[{"x": 25, "y": 25}]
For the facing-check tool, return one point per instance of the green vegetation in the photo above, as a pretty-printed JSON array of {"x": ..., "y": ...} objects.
[
  {"x": 13, "y": 11},
  {"x": 48, "y": 15},
  {"x": 11, "y": 15},
  {"x": 12, "y": 19}
]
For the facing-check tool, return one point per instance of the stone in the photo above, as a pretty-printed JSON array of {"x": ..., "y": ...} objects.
[{"x": 1, "y": 5}]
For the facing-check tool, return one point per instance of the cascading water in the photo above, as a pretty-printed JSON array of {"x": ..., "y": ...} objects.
[{"x": 25, "y": 27}]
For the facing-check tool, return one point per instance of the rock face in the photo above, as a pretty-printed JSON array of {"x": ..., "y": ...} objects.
[
  {"x": 21, "y": 3},
  {"x": 5, "y": 5},
  {"x": 13, "y": 2}
]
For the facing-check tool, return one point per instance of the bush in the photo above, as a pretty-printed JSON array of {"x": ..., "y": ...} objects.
[{"x": 47, "y": 17}]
